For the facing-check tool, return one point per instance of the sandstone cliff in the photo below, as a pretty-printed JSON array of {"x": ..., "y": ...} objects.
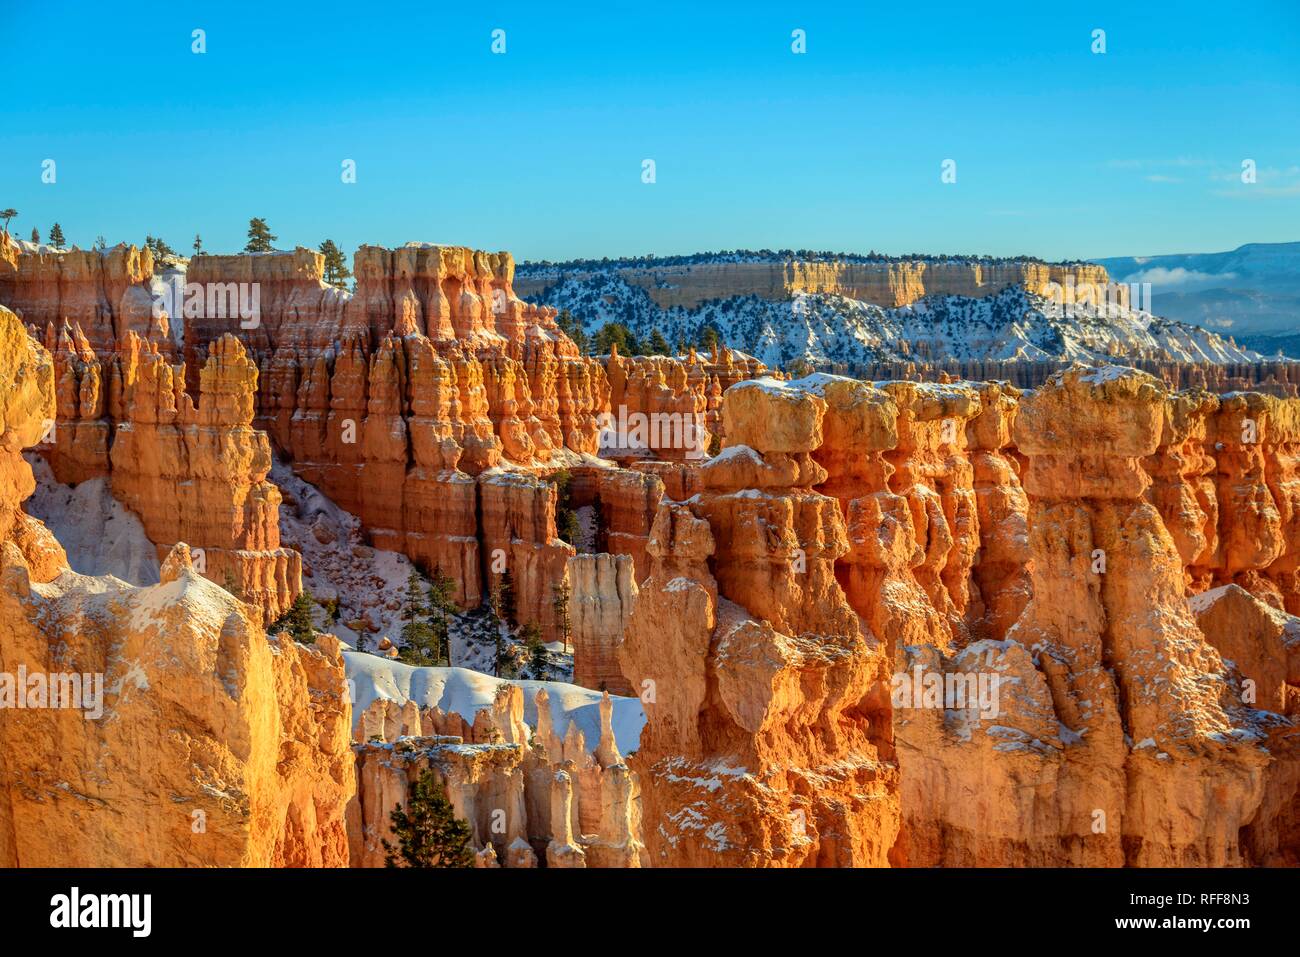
[
  {"x": 890, "y": 623},
  {"x": 150, "y": 726},
  {"x": 898, "y": 283},
  {"x": 768, "y": 739}
]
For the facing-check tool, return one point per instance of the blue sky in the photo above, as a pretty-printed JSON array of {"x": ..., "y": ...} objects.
[{"x": 1060, "y": 152}]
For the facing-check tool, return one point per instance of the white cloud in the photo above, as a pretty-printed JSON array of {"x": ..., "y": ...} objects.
[{"x": 1161, "y": 276}]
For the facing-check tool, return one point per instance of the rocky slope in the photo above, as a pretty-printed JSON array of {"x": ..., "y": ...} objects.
[{"x": 835, "y": 330}]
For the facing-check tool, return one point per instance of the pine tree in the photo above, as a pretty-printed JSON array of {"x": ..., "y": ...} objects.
[
  {"x": 560, "y": 604},
  {"x": 504, "y": 601},
  {"x": 572, "y": 328},
  {"x": 494, "y": 602},
  {"x": 658, "y": 344},
  {"x": 617, "y": 334},
  {"x": 599, "y": 533},
  {"x": 6, "y": 215},
  {"x": 566, "y": 519},
  {"x": 537, "y": 660},
  {"x": 36, "y": 236},
  {"x": 708, "y": 338},
  {"x": 504, "y": 666},
  {"x": 297, "y": 620},
  {"x": 441, "y": 607},
  {"x": 259, "y": 237},
  {"x": 417, "y": 635},
  {"x": 361, "y": 642},
  {"x": 198, "y": 245},
  {"x": 331, "y": 606},
  {"x": 336, "y": 266},
  {"x": 56, "y": 236},
  {"x": 427, "y": 830},
  {"x": 159, "y": 248}
]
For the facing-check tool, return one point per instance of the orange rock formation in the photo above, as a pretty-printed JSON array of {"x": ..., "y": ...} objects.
[{"x": 159, "y": 726}]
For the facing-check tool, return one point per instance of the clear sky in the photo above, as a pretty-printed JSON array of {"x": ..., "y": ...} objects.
[{"x": 1060, "y": 152}]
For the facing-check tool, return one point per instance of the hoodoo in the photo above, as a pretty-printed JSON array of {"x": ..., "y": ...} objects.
[{"x": 680, "y": 647}]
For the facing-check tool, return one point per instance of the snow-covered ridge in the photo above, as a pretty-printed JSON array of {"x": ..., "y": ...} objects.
[
  {"x": 467, "y": 692},
  {"x": 834, "y": 331}
]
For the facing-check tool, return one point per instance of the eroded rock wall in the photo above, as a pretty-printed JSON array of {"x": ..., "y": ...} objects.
[
  {"x": 159, "y": 726},
  {"x": 533, "y": 795},
  {"x": 882, "y": 283},
  {"x": 198, "y": 473}
]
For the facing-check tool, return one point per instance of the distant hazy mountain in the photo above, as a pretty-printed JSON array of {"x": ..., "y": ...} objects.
[{"x": 1251, "y": 293}]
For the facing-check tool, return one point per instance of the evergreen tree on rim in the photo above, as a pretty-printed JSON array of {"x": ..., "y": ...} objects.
[
  {"x": 56, "y": 236},
  {"x": 259, "y": 237},
  {"x": 336, "y": 266}
]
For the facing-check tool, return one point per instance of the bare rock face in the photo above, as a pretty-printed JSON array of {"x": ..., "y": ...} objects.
[
  {"x": 198, "y": 474},
  {"x": 1126, "y": 721},
  {"x": 629, "y": 501},
  {"x": 603, "y": 592},
  {"x": 882, "y": 283},
  {"x": 107, "y": 294},
  {"x": 518, "y": 522},
  {"x": 26, "y": 413},
  {"x": 391, "y": 400},
  {"x": 245, "y": 738},
  {"x": 151, "y": 726},
  {"x": 79, "y": 449},
  {"x": 673, "y": 407},
  {"x": 768, "y": 736},
  {"x": 1262, "y": 643},
  {"x": 1025, "y": 561}
]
